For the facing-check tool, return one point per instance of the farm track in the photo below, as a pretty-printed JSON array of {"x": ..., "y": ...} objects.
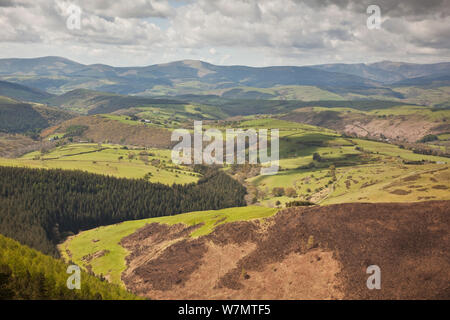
[{"x": 74, "y": 154}]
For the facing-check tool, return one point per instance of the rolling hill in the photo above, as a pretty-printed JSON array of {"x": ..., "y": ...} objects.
[
  {"x": 437, "y": 80},
  {"x": 387, "y": 71},
  {"x": 59, "y": 75},
  {"x": 319, "y": 82},
  {"x": 102, "y": 129},
  {"x": 22, "y": 93},
  {"x": 401, "y": 122},
  {"x": 21, "y": 117},
  {"x": 86, "y": 101}
]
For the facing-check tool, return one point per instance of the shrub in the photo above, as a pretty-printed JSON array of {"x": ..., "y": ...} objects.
[
  {"x": 299, "y": 204},
  {"x": 317, "y": 157},
  {"x": 278, "y": 191},
  {"x": 290, "y": 192}
]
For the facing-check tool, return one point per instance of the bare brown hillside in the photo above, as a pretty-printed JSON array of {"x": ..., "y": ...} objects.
[
  {"x": 102, "y": 129},
  {"x": 14, "y": 145},
  {"x": 408, "y": 128},
  {"x": 300, "y": 253}
]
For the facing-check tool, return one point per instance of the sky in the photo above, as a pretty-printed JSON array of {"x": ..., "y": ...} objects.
[{"x": 226, "y": 32}]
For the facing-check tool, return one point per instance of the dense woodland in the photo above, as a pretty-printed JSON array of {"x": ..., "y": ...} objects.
[
  {"x": 28, "y": 274},
  {"x": 20, "y": 117},
  {"x": 39, "y": 207}
]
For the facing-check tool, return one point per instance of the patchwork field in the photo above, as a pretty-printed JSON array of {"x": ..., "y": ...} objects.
[
  {"x": 115, "y": 160},
  {"x": 315, "y": 164},
  {"x": 166, "y": 116},
  {"x": 388, "y": 183}
]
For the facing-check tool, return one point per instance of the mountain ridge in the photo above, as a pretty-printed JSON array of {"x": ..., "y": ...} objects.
[{"x": 58, "y": 75}]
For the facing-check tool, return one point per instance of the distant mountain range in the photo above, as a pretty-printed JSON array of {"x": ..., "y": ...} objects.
[
  {"x": 389, "y": 72},
  {"x": 58, "y": 75}
]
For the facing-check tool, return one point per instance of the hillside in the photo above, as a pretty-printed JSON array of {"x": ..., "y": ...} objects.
[
  {"x": 106, "y": 159},
  {"x": 20, "y": 117},
  {"x": 105, "y": 130},
  {"x": 58, "y": 75},
  {"x": 387, "y": 71},
  {"x": 92, "y": 102},
  {"x": 403, "y": 123},
  {"x": 41, "y": 207},
  {"x": 39, "y": 66},
  {"x": 28, "y": 274},
  {"x": 112, "y": 264},
  {"x": 300, "y": 253},
  {"x": 14, "y": 145},
  {"x": 439, "y": 79},
  {"x": 22, "y": 93}
]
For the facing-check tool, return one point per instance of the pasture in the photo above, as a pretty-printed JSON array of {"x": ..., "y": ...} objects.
[{"x": 108, "y": 159}]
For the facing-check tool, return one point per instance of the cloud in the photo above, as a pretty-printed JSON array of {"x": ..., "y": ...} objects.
[
  {"x": 128, "y": 9},
  {"x": 6, "y": 3},
  {"x": 255, "y": 32},
  {"x": 391, "y": 8}
]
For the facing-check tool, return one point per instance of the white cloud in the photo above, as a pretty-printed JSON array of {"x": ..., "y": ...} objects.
[{"x": 262, "y": 32}]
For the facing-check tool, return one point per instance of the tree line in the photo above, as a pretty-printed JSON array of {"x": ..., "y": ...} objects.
[{"x": 40, "y": 207}]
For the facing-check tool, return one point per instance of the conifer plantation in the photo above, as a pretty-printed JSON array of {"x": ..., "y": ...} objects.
[
  {"x": 28, "y": 274},
  {"x": 40, "y": 207}
]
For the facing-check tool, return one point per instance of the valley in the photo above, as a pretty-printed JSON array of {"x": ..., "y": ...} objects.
[{"x": 88, "y": 179}]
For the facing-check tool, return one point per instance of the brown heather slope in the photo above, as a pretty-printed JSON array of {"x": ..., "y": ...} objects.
[
  {"x": 101, "y": 129},
  {"x": 300, "y": 253},
  {"x": 408, "y": 128}
]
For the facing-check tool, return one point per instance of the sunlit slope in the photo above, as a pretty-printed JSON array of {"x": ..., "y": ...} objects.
[
  {"x": 45, "y": 277},
  {"x": 109, "y": 256},
  {"x": 308, "y": 153},
  {"x": 108, "y": 159}
]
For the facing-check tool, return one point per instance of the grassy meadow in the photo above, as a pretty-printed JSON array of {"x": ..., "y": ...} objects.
[{"x": 109, "y": 159}]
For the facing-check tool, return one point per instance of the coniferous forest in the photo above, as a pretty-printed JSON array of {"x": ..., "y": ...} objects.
[
  {"x": 28, "y": 274},
  {"x": 40, "y": 207}
]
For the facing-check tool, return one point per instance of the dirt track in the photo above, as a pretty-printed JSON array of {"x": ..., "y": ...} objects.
[{"x": 301, "y": 253}]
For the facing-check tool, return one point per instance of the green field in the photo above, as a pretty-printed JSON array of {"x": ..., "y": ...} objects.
[
  {"x": 285, "y": 92},
  {"x": 423, "y": 112},
  {"x": 428, "y": 96},
  {"x": 313, "y": 180},
  {"x": 111, "y": 160},
  {"x": 107, "y": 238},
  {"x": 384, "y": 182},
  {"x": 390, "y": 183}
]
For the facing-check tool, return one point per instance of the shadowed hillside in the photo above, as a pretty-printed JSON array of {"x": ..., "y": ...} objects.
[{"x": 20, "y": 117}]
